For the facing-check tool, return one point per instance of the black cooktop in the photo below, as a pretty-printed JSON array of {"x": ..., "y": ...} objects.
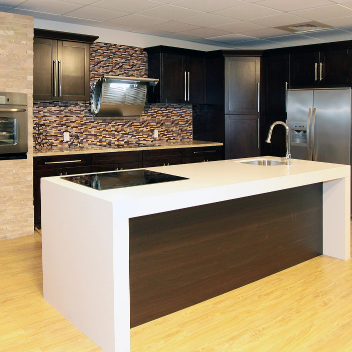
[{"x": 120, "y": 179}]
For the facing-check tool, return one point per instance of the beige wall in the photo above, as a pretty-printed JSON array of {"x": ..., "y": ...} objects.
[{"x": 16, "y": 75}]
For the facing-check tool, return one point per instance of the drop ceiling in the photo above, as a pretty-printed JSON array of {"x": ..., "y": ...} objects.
[{"x": 235, "y": 24}]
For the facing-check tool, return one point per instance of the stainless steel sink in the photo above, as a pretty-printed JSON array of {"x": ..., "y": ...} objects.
[{"x": 265, "y": 162}]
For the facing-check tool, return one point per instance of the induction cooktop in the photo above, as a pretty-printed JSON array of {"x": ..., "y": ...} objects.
[{"x": 120, "y": 179}]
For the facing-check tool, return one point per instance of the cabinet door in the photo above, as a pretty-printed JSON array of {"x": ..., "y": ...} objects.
[
  {"x": 61, "y": 70},
  {"x": 304, "y": 69},
  {"x": 73, "y": 70},
  {"x": 241, "y": 136},
  {"x": 276, "y": 77},
  {"x": 37, "y": 175},
  {"x": 242, "y": 90},
  {"x": 173, "y": 79},
  {"x": 196, "y": 80},
  {"x": 45, "y": 53},
  {"x": 335, "y": 67}
]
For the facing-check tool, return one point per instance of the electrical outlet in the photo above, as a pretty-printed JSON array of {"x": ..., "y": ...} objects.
[
  {"x": 66, "y": 136},
  {"x": 156, "y": 134}
]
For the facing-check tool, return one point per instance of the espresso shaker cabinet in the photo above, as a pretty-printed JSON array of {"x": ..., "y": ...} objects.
[
  {"x": 61, "y": 67},
  {"x": 321, "y": 68},
  {"x": 55, "y": 166},
  {"x": 181, "y": 74},
  {"x": 242, "y": 85},
  {"x": 242, "y": 107}
]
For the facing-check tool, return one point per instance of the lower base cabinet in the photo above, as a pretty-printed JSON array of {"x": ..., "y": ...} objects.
[
  {"x": 45, "y": 166},
  {"x": 241, "y": 136}
]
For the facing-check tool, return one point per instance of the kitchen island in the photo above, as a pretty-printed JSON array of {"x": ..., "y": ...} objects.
[{"x": 120, "y": 257}]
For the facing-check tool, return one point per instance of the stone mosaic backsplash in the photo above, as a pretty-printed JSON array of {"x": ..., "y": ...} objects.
[{"x": 173, "y": 121}]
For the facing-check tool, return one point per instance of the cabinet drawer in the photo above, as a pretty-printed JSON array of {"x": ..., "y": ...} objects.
[
  {"x": 61, "y": 161},
  {"x": 117, "y": 166},
  {"x": 118, "y": 157},
  {"x": 162, "y": 153},
  {"x": 194, "y": 155}
]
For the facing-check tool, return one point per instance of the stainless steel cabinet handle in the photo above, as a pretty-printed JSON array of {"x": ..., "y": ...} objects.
[
  {"x": 62, "y": 162},
  {"x": 189, "y": 78},
  {"x": 185, "y": 87},
  {"x": 59, "y": 69},
  {"x": 321, "y": 71},
  {"x": 313, "y": 132},
  {"x": 308, "y": 134},
  {"x": 55, "y": 77},
  {"x": 258, "y": 145},
  {"x": 258, "y": 87},
  {"x": 316, "y": 71},
  {"x": 286, "y": 93},
  {"x": 205, "y": 151}
]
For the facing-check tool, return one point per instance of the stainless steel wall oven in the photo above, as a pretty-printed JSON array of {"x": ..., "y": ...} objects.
[{"x": 13, "y": 125}]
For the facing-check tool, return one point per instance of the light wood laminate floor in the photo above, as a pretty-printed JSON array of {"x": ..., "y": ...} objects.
[{"x": 305, "y": 308}]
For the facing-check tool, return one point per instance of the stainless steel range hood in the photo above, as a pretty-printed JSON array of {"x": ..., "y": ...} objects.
[{"x": 120, "y": 97}]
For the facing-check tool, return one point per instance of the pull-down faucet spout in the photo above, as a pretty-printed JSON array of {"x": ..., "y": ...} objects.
[{"x": 288, "y": 139}]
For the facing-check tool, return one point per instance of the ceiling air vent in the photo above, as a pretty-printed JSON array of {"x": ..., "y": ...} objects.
[{"x": 304, "y": 27}]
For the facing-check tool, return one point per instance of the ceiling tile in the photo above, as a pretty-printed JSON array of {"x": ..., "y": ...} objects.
[
  {"x": 347, "y": 4},
  {"x": 37, "y": 14},
  {"x": 341, "y": 22},
  {"x": 205, "y": 32},
  {"x": 208, "y": 5},
  {"x": 324, "y": 12},
  {"x": 82, "y": 2},
  {"x": 233, "y": 38},
  {"x": 278, "y": 20},
  {"x": 293, "y": 5},
  {"x": 138, "y": 20},
  {"x": 207, "y": 20},
  {"x": 49, "y": 6},
  {"x": 170, "y": 12},
  {"x": 95, "y": 13},
  {"x": 239, "y": 27},
  {"x": 172, "y": 26},
  {"x": 130, "y": 6},
  {"x": 247, "y": 11},
  {"x": 265, "y": 32}
]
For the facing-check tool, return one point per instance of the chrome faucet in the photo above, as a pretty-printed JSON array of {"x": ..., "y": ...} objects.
[{"x": 288, "y": 139}]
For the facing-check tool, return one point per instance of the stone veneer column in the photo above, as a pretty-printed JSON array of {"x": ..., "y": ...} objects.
[{"x": 16, "y": 75}]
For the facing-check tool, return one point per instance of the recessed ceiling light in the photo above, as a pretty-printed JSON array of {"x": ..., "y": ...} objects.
[{"x": 304, "y": 27}]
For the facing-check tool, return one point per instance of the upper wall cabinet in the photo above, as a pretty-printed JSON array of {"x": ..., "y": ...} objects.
[
  {"x": 61, "y": 67},
  {"x": 242, "y": 85},
  {"x": 181, "y": 74},
  {"x": 321, "y": 68},
  {"x": 275, "y": 70}
]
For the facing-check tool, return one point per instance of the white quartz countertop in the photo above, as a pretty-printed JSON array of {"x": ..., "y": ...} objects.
[
  {"x": 89, "y": 149},
  {"x": 209, "y": 182}
]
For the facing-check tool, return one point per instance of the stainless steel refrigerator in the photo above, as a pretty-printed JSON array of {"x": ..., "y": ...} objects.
[{"x": 320, "y": 124}]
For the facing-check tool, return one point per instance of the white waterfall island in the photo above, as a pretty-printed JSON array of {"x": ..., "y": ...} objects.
[{"x": 121, "y": 257}]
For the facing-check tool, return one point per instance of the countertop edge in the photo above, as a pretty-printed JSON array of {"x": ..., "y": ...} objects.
[{"x": 194, "y": 144}]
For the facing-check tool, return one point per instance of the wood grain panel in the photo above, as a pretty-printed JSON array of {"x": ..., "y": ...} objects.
[{"x": 184, "y": 257}]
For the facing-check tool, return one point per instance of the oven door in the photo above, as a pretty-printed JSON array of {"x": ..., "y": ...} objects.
[{"x": 13, "y": 130}]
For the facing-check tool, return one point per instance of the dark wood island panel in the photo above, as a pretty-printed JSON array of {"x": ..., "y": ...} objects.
[{"x": 183, "y": 257}]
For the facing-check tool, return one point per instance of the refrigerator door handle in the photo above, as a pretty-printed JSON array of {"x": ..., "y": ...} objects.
[
  {"x": 308, "y": 134},
  {"x": 313, "y": 133}
]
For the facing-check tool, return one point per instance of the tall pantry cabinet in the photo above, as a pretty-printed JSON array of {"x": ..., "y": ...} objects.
[
  {"x": 233, "y": 98},
  {"x": 242, "y": 107}
]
